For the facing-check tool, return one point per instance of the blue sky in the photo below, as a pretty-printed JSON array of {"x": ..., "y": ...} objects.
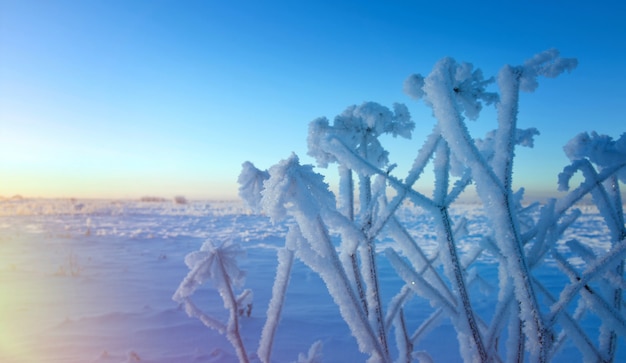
[{"x": 121, "y": 99}]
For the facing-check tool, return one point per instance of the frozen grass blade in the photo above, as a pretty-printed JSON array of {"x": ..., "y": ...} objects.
[{"x": 275, "y": 307}]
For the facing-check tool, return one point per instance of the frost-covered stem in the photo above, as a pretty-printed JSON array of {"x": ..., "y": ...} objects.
[
  {"x": 193, "y": 311},
  {"x": 515, "y": 347},
  {"x": 584, "y": 188},
  {"x": 405, "y": 346},
  {"x": 362, "y": 330},
  {"x": 427, "y": 324},
  {"x": 365, "y": 185},
  {"x": 423, "y": 156},
  {"x": 365, "y": 200},
  {"x": 274, "y": 309},
  {"x": 442, "y": 166},
  {"x": 505, "y": 305},
  {"x": 459, "y": 281},
  {"x": 573, "y": 329},
  {"x": 593, "y": 270},
  {"x": 358, "y": 280},
  {"x": 613, "y": 211},
  {"x": 453, "y": 129},
  {"x": 346, "y": 195},
  {"x": 416, "y": 255},
  {"x": 370, "y": 273},
  {"x": 534, "y": 326},
  {"x": 509, "y": 84},
  {"x": 604, "y": 203},
  {"x": 459, "y": 187},
  {"x": 609, "y": 315},
  {"x": 496, "y": 197},
  {"x": 232, "y": 329},
  {"x": 606, "y": 196},
  {"x": 617, "y": 305},
  {"x": 502, "y": 312},
  {"x": 346, "y": 192},
  {"x": 584, "y": 251},
  {"x": 378, "y": 317},
  {"x": 396, "y": 303},
  {"x": 510, "y": 242},
  {"x": 612, "y": 187},
  {"x": 418, "y": 284},
  {"x": 388, "y": 212},
  {"x": 403, "y": 189},
  {"x": 545, "y": 223},
  {"x": 420, "y": 162},
  {"x": 373, "y": 295}
]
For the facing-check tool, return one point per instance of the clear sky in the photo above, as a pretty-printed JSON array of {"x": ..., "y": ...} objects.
[{"x": 127, "y": 98}]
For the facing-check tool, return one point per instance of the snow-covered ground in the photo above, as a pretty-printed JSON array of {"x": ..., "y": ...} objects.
[{"x": 92, "y": 281}]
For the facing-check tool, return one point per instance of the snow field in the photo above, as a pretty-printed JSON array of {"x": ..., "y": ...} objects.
[{"x": 96, "y": 284}]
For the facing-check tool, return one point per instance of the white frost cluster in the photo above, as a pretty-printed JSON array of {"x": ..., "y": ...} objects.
[
  {"x": 601, "y": 150},
  {"x": 251, "y": 182},
  {"x": 467, "y": 84},
  {"x": 548, "y": 64},
  {"x": 356, "y": 131},
  {"x": 413, "y": 86},
  {"x": 206, "y": 264},
  {"x": 522, "y": 137},
  {"x": 293, "y": 184}
]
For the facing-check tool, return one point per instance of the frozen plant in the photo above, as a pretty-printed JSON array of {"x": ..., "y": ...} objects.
[
  {"x": 336, "y": 236},
  {"x": 602, "y": 162},
  {"x": 218, "y": 264}
]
